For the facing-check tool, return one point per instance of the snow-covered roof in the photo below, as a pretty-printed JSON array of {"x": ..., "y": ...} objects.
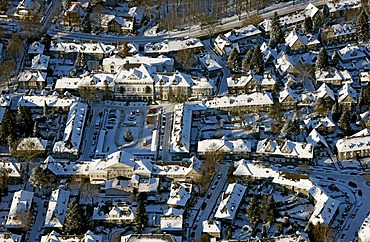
[
  {"x": 285, "y": 148},
  {"x": 172, "y": 46},
  {"x": 230, "y": 201},
  {"x": 171, "y": 223},
  {"x": 36, "y": 48},
  {"x": 69, "y": 168},
  {"x": 268, "y": 52},
  {"x": 210, "y": 63},
  {"x": 315, "y": 137},
  {"x": 240, "y": 34},
  {"x": 180, "y": 194},
  {"x": 33, "y": 75},
  {"x": 73, "y": 131},
  {"x": 314, "y": 123},
  {"x": 96, "y": 80},
  {"x": 138, "y": 59},
  {"x": 287, "y": 92},
  {"x": 87, "y": 237},
  {"x": 10, "y": 237},
  {"x": 86, "y": 48},
  {"x": 142, "y": 74},
  {"x": 32, "y": 143},
  {"x": 18, "y": 213},
  {"x": 352, "y": 52},
  {"x": 13, "y": 169},
  {"x": 177, "y": 170},
  {"x": 211, "y": 226},
  {"x": 51, "y": 101},
  {"x": 357, "y": 142},
  {"x": 343, "y": 5},
  {"x": 124, "y": 23},
  {"x": 179, "y": 79},
  {"x": 332, "y": 75},
  {"x": 347, "y": 91},
  {"x": 364, "y": 232},
  {"x": 283, "y": 62},
  {"x": 324, "y": 90},
  {"x": 40, "y": 62},
  {"x": 253, "y": 99},
  {"x": 57, "y": 208},
  {"x": 242, "y": 80},
  {"x": 118, "y": 212},
  {"x": 311, "y": 10},
  {"x": 223, "y": 145},
  {"x": 339, "y": 30},
  {"x": 151, "y": 238}
]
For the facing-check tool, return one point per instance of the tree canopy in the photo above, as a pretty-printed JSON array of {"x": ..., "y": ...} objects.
[
  {"x": 276, "y": 33},
  {"x": 362, "y": 26},
  {"x": 322, "y": 60}
]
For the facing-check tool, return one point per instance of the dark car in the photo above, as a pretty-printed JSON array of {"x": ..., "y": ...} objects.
[{"x": 192, "y": 234}]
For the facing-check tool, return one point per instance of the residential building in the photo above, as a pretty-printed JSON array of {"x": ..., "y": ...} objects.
[
  {"x": 210, "y": 65},
  {"x": 135, "y": 84},
  {"x": 55, "y": 236},
  {"x": 40, "y": 62},
  {"x": 364, "y": 231},
  {"x": 75, "y": 15},
  {"x": 352, "y": 53},
  {"x": 324, "y": 125},
  {"x": 32, "y": 79},
  {"x": 20, "y": 210},
  {"x": 10, "y": 237},
  {"x": 230, "y": 149},
  {"x": 69, "y": 146},
  {"x": 355, "y": 146},
  {"x": 119, "y": 213},
  {"x": 319, "y": 143},
  {"x": 38, "y": 103},
  {"x": 27, "y": 9},
  {"x": 212, "y": 227},
  {"x": 284, "y": 151},
  {"x": 288, "y": 98},
  {"x": 347, "y": 97},
  {"x": 251, "y": 82},
  {"x": 333, "y": 77},
  {"x": 114, "y": 24},
  {"x": 230, "y": 202},
  {"x": 339, "y": 33},
  {"x": 157, "y": 237},
  {"x": 32, "y": 144},
  {"x": 180, "y": 195},
  {"x": 171, "y": 47},
  {"x": 57, "y": 209},
  {"x": 171, "y": 223}
]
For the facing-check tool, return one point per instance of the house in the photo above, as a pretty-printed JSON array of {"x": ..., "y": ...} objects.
[
  {"x": 69, "y": 146},
  {"x": 355, "y": 146},
  {"x": 285, "y": 151},
  {"x": 212, "y": 227},
  {"x": 180, "y": 195},
  {"x": 325, "y": 93},
  {"x": 20, "y": 210},
  {"x": 75, "y": 15},
  {"x": 286, "y": 64},
  {"x": 256, "y": 101},
  {"x": 115, "y": 63},
  {"x": 352, "y": 53},
  {"x": 347, "y": 97},
  {"x": 138, "y": 14},
  {"x": 297, "y": 43},
  {"x": 13, "y": 169},
  {"x": 172, "y": 223},
  {"x": 322, "y": 124},
  {"x": 135, "y": 84},
  {"x": 40, "y": 62},
  {"x": 180, "y": 85},
  {"x": 10, "y": 237},
  {"x": 112, "y": 23},
  {"x": 288, "y": 98},
  {"x": 364, "y": 78},
  {"x": 98, "y": 81},
  {"x": 230, "y": 149},
  {"x": 246, "y": 36},
  {"x": 319, "y": 143},
  {"x": 118, "y": 214},
  {"x": 269, "y": 55},
  {"x": 344, "y": 7},
  {"x": 230, "y": 202},
  {"x": 364, "y": 231},
  {"x": 57, "y": 209},
  {"x": 339, "y": 33},
  {"x": 88, "y": 236},
  {"x": 211, "y": 67},
  {"x": 32, "y": 79},
  {"x": 149, "y": 237},
  {"x": 27, "y": 9},
  {"x": 251, "y": 82},
  {"x": 32, "y": 146},
  {"x": 171, "y": 47},
  {"x": 38, "y": 103},
  {"x": 333, "y": 77}
]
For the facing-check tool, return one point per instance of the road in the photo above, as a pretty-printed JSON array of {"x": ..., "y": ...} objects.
[
  {"x": 222, "y": 87},
  {"x": 166, "y": 137},
  {"x": 195, "y": 31},
  {"x": 212, "y": 201},
  {"x": 35, "y": 231}
]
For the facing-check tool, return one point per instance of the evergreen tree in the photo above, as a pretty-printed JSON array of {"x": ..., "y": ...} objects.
[
  {"x": 253, "y": 210},
  {"x": 257, "y": 61},
  {"x": 141, "y": 217},
  {"x": 362, "y": 26},
  {"x": 39, "y": 177},
  {"x": 74, "y": 221},
  {"x": 335, "y": 58},
  {"x": 308, "y": 25},
  {"x": 276, "y": 33},
  {"x": 7, "y": 128},
  {"x": 322, "y": 60},
  {"x": 344, "y": 122},
  {"x": 25, "y": 121},
  {"x": 233, "y": 60},
  {"x": 246, "y": 65},
  {"x": 128, "y": 135}
]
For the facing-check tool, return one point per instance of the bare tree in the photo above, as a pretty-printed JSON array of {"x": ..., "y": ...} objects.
[
  {"x": 185, "y": 58},
  {"x": 88, "y": 93}
]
